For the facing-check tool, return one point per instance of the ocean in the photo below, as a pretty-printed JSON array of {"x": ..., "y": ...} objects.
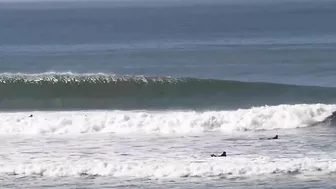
[{"x": 139, "y": 94}]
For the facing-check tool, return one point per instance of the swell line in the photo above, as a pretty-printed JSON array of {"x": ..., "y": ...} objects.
[{"x": 95, "y": 91}]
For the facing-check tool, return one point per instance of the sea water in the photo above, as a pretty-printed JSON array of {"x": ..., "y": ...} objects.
[{"x": 139, "y": 94}]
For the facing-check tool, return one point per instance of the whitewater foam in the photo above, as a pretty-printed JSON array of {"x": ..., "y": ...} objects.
[
  {"x": 70, "y": 77},
  {"x": 164, "y": 122},
  {"x": 232, "y": 167}
]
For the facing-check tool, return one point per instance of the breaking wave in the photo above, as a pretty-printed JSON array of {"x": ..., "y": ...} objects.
[
  {"x": 164, "y": 122},
  {"x": 59, "y": 91},
  {"x": 232, "y": 167}
]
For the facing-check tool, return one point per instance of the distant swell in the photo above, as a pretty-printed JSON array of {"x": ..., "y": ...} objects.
[{"x": 95, "y": 91}]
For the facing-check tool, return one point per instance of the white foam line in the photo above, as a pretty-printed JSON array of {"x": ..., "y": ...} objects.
[
  {"x": 230, "y": 167},
  {"x": 164, "y": 122}
]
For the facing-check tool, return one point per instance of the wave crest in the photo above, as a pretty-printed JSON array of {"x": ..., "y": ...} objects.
[{"x": 100, "y": 91}]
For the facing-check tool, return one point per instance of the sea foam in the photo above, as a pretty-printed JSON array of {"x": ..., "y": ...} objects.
[
  {"x": 231, "y": 167},
  {"x": 164, "y": 122}
]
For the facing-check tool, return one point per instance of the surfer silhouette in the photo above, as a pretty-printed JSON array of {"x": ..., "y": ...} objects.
[
  {"x": 272, "y": 138},
  {"x": 222, "y": 155},
  {"x": 276, "y": 137},
  {"x": 329, "y": 120}
]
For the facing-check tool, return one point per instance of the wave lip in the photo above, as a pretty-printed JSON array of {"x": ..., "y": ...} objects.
[
  {"x": 164, "y": 122},
  {"x": 69, "y": 77},
  {"x": 63, "y": 91},
  {"x": 232, "y": 167}
]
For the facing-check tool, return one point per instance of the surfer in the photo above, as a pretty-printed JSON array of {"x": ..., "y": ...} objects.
[
  {"x": 31, "y": 115},
  {"x": 276, "y": 137},
  {"x": 329, "y": 120},
  {"x": 222, "y": 155},
  {"x": 272, "y": 138}
]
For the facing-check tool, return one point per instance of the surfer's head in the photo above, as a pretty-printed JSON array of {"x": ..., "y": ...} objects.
[
  {"x": 223, "y": 154},
  {"x": 334, "y": 114}
]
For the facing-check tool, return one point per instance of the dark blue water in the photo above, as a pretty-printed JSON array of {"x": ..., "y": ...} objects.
[
  {"x": 291, "y": 42},
  {"x": 288, "y": 43}
]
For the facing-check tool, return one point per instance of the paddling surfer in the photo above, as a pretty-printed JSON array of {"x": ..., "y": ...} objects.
[{"x": 222, "y": 155}]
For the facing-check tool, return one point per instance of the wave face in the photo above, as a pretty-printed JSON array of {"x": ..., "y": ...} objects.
[
  {"x": 95, "y": 91},
  {"x": 166, "y": 122}
]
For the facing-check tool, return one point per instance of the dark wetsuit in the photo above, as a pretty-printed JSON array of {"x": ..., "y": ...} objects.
[
  {"x": 222, "y": 155},
  {"x": 276, "y": 137},
  {"x": 328, "y": 120}
]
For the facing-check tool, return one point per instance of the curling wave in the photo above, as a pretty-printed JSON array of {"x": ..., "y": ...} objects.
[{"x": 100, "y": 91}]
